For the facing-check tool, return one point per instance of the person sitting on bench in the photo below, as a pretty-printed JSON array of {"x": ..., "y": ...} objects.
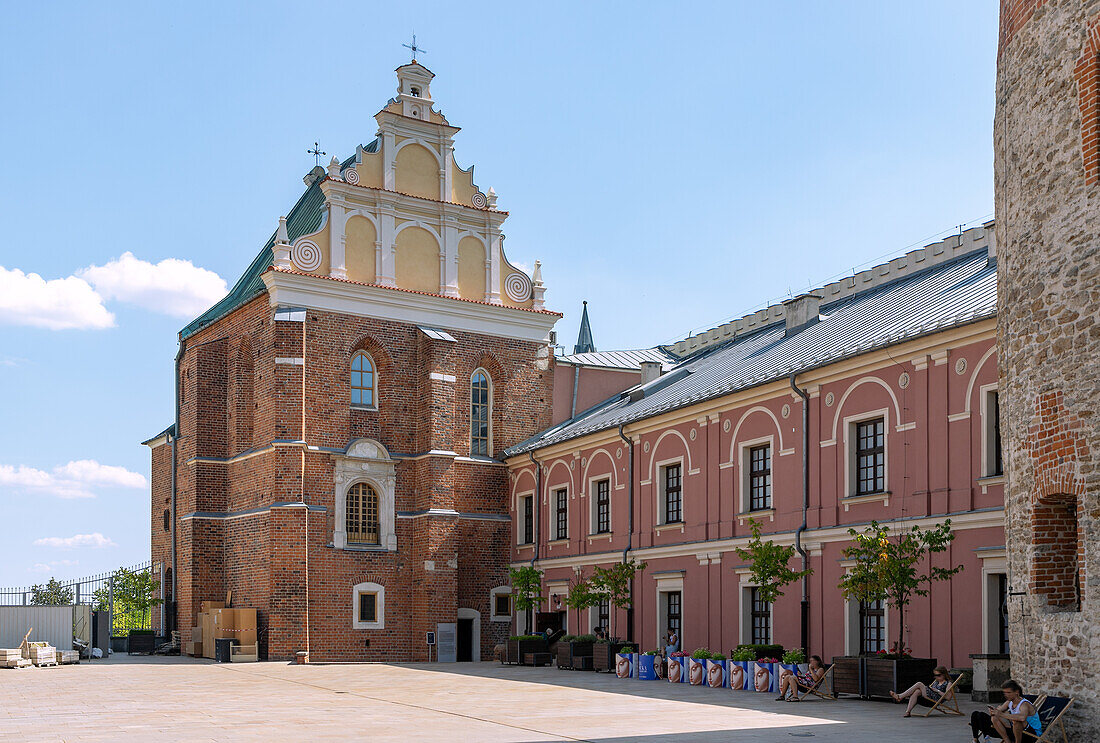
[
  {"x": 1009, "y": 721},
  {"x": 790, "y": 683},
  {"x": 926, "y": 694}
]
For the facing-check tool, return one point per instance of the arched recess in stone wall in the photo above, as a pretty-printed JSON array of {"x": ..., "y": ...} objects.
[
  {"x": 417, "y": 264},
  {"x": 417, "y": 171},
  {"x": 360, "y": 252},
  {"x": 471, "y": 268},
  {"x": 1057, "y": 551},
  {"x": 243, "y": 399}
]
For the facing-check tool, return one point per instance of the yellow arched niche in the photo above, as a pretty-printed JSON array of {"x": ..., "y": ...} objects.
[
  {"x": 359, "y": 250},
  {"x": 462, "y": 184},
  {"x": 370, "y": 170},
  {"x": 417, "y": 260},
  {"x": 417, "y": 172},
  {"x": 471, "y": 269}
]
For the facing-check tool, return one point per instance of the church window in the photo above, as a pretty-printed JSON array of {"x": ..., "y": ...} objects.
[
  {"x": 480, "y": 412},
  {"x": 362, "y": 515},
  {"x": 368, "y": 606},
  {"x": 363, "y": 381}
]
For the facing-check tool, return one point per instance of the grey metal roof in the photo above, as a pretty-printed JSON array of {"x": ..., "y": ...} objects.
[
  {"x": 949, "y": 294},
  {"x": 620, "y": 359},
  {"x": 437, "y": 334}
]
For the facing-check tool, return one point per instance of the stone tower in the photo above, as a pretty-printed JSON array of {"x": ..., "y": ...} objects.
[{"x": 1048, "y": 221}]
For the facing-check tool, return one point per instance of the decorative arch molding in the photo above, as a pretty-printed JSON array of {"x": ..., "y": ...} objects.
[
  {"x": 866, "y": 380},
  {"x": 592, "y": 458},
  {"x": 657, "y": 445},
  {"x": 367, "y": 215},
  {"x": 488, "y": 361},
  {"x": 550, "y": 471},
  {"x": 423, "y": 143},
  {"x": 746, "y": 414},
  {"x": 974, "y": 375},
  {"x": 527, "y": 472},
  {"x": 422, "y": 225},
  {"x": 476, "y": 236},
  {"x": 366, "y": 461}
]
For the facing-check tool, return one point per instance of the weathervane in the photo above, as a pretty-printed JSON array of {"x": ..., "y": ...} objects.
[
  {"x": 316, "y": 152},
  {"x": 415, "y": 48}
]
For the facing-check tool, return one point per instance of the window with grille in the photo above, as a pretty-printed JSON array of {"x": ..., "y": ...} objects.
[
  {"x": 872, "y": 626},
  {"x": 673, "y": 496},
  {"x": 761, "y": 618},
  {"x": 870, "y": 457},
  {"x": 603, "y": 610},
  {"x": 362, "y": 515},
  {"x": 760, "y": 477},
  {"x": 368, "y": 607},
  {"x": 362, "y": 380},
  {"x": 675, "y": 613},
  {"x": 528, "y": 519},
  {"x": 603, "y": 506},
  {"x": 561, "y": 514},
  {"x": 479, "y": 414}
]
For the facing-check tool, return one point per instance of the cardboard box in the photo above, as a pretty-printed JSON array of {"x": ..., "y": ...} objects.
[
  {"x": 208, "y": 606},
  {"x": 208, "y": 635},
  {"x": 196, "y": 632}
]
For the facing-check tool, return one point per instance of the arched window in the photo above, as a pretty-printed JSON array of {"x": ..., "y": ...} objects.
[
  {"x": 480, "y": 412},
  {"x": 362, "y": 515},
  {"x": 362, "y": 381}
]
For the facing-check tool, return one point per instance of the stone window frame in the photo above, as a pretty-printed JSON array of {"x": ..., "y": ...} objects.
[
  {"x": 561, "y": 491},
  {"x": 994, "y": 564},
  {"x": 671, "y": 581},
  {"x": 594, "y": 506},
  {"x": 379, "y": 592},
  {"x": 662, "y": 479},
  {"x": 744, "y": 449},
  {"x": 520, "y": 499},
  {"x": 493, "y": 594},
  {"x": 850, "y": 444},
  {"x": 375, "y": 380},
  {"x": 366, "y": 461},
  {"x": 851, "y": 618},
  {"x": 744, "y": 608},
  {"x": 985, "y": 395}
]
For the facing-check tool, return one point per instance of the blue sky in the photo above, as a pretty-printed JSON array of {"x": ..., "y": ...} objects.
[{"x": 674, "y": 164}]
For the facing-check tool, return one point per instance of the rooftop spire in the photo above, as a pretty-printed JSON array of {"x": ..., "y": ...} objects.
[{"x": 585, "y": 343}]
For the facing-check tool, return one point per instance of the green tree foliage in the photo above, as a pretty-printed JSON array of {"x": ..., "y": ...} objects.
[
  {"x": 51, "y": 594},
  {"x": 135, "y": 595},
  {"x": 885, "y": 566},
  {"x": 526, "y": 590},
  {"x": 613, "y": 583},
  {"x": 770, "y": 564}
]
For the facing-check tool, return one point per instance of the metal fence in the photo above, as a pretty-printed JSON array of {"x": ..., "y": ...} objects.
[{"x": 97, "y": 591}]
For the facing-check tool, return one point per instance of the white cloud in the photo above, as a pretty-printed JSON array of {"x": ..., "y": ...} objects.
[
  {"x": 12, "y": 361},
  {"x": 173, "y": 286},
  {"x": 73, "y": 480},
  {"x": 57, "y": 304},
  {"x": 95, "y": 540},
  {"x": 52, "y": 565}
]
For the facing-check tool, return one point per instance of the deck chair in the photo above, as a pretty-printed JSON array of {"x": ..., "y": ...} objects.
[
  {"x": 1050, "y": 711},
  {"x": 948, "y": 703},
  {"x": 820, "y": 689}
]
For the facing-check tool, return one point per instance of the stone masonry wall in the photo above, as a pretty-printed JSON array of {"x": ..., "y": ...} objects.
[{"x": 1045, "y": 143}]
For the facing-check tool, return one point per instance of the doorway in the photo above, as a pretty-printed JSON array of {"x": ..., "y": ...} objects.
[{"x": 468, "y": 641}]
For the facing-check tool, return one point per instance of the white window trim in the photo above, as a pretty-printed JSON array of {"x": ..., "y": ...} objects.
[
  {"x": 493, "y": 616},
  {"x": 987, "y": 432},
  {"x": 594, "y": 617},
  {"x": 519, "y": 517},
  {"x": 374, "y": 367},
  {"x": 593, "y": 513},
  {"x": 743, "y": 463},
  {"x": 850, "y": 423},
  {"x": 994, "y": 562},
  {"x": 554, "y": 513},
  {"x": 744, "y": 627},
  {"x": 851, "y": 619},
  {"x": 668, "y": 583},
  {"x": 379, "y": 605},
  {"x": 660, "y": 490},
  {"x": 470, "y": 409},
  {"x": 366, "y": 461}
]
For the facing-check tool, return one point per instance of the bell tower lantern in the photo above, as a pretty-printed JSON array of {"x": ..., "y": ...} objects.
[{"x": 413, "y": 91}]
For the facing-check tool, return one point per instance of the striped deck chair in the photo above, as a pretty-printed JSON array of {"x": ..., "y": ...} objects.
[
  {"x": 1050, "y": 711},
  {"x": 820, "y": 689},
  {"x": 948, "y": 703}
]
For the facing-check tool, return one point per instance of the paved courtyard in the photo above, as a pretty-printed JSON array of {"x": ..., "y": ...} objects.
[{"x": 182, "y": 699}]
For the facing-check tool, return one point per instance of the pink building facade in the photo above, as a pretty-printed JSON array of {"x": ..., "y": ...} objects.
[{"x": 900, "y": 379}]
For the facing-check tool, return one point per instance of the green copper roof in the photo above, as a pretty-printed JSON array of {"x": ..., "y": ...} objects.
[
  {"x": 306, "y": 217},
  {"x": 585, "y": 344}
]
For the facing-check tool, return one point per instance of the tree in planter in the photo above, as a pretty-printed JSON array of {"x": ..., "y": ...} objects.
[
  {"x": 582, "y": 595},
  {"x": 51, "y": 594},
  {"x": 885, "y": 566},
  {"x": 526, "y": 590},
  {"x": 135, "y": 596},
  {"x": 613, "y": 583},
  {"x": 769, "y": 562}
]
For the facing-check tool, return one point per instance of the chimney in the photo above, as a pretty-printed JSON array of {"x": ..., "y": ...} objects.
[
  {"x": 801, "y": 312},
  {"x": 650, "y": 371}
]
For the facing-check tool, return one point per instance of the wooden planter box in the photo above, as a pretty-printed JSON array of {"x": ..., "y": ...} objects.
[
  {"x": 570, "y": 653},
  {"x": 603, "y": 654},
  {"x": 517, "y": 649},
  {"x": 141, "y": 642},
  {"x": 868, "y": 676}
]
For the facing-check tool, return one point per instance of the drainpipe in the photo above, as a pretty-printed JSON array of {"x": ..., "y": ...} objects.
[
  {"x": 630, "y": 524},
  {"x": 805, "y": 509},
  {"x": 536, "y": 508},
  {"x": 172, "y": 438}
]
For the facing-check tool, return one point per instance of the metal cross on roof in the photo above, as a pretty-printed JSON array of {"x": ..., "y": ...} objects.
[
  {"x": 316, "y": 152},
  {"x": 415, "y": 48}
]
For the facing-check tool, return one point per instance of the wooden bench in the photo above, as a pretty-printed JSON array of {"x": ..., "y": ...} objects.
[{"x": 536, "y": 659}]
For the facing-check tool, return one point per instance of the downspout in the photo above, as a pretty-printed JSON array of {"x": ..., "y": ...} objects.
[
  {"x": 535, "y": 508},
  {"x": 805, "y": 510},
  {"x": 172, "y": 442},
  {"x": 305, "y": 510},
  {"x": 630, "y": 520}
]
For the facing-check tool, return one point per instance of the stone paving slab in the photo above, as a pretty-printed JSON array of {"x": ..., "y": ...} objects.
[{"x": 184, "y": 699}]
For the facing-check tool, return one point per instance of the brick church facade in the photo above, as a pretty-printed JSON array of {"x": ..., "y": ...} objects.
[{"x": 331, "y": 462}]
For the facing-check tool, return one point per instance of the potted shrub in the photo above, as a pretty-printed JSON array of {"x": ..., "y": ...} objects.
[
  {"x": 716, "y": 671},
  {"x": 885, "y": 569},
  {"x": 647, "y": 666},
  {"x": 765, "y": 675},
  {"x": 793, "y": 661},
  {"x": 697, "y": 667},
  {"x": 570, "y": 650},
  {"x": 740, "y": 668},
  {"x": 520, "y": 645},
  {"x": 763, "y": 651},
  {"x": 624, "y": 662},
  {"x": 677, "y": 667}
]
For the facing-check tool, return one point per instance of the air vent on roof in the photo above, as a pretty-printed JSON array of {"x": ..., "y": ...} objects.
[{"x": 801, "y": 312}]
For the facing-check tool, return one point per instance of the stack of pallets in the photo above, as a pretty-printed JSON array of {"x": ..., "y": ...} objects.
[
  {"x": 12, "y": 658},
  {"x": 41, "y": 653},
  {"x": 65, "y": 657}
]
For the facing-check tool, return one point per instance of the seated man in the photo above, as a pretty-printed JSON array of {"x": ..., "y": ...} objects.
[
  {"x": 791, "y": 683},
  {"x": 1010, "y": 720},
  {"x": 926, "y": 694}
]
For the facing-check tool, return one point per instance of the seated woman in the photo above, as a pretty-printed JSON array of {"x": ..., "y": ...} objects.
[
  {"x": 1010, "y": 720},
  {"x": 791, "y": 683},
  {"x": 926, "y": 694}
]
